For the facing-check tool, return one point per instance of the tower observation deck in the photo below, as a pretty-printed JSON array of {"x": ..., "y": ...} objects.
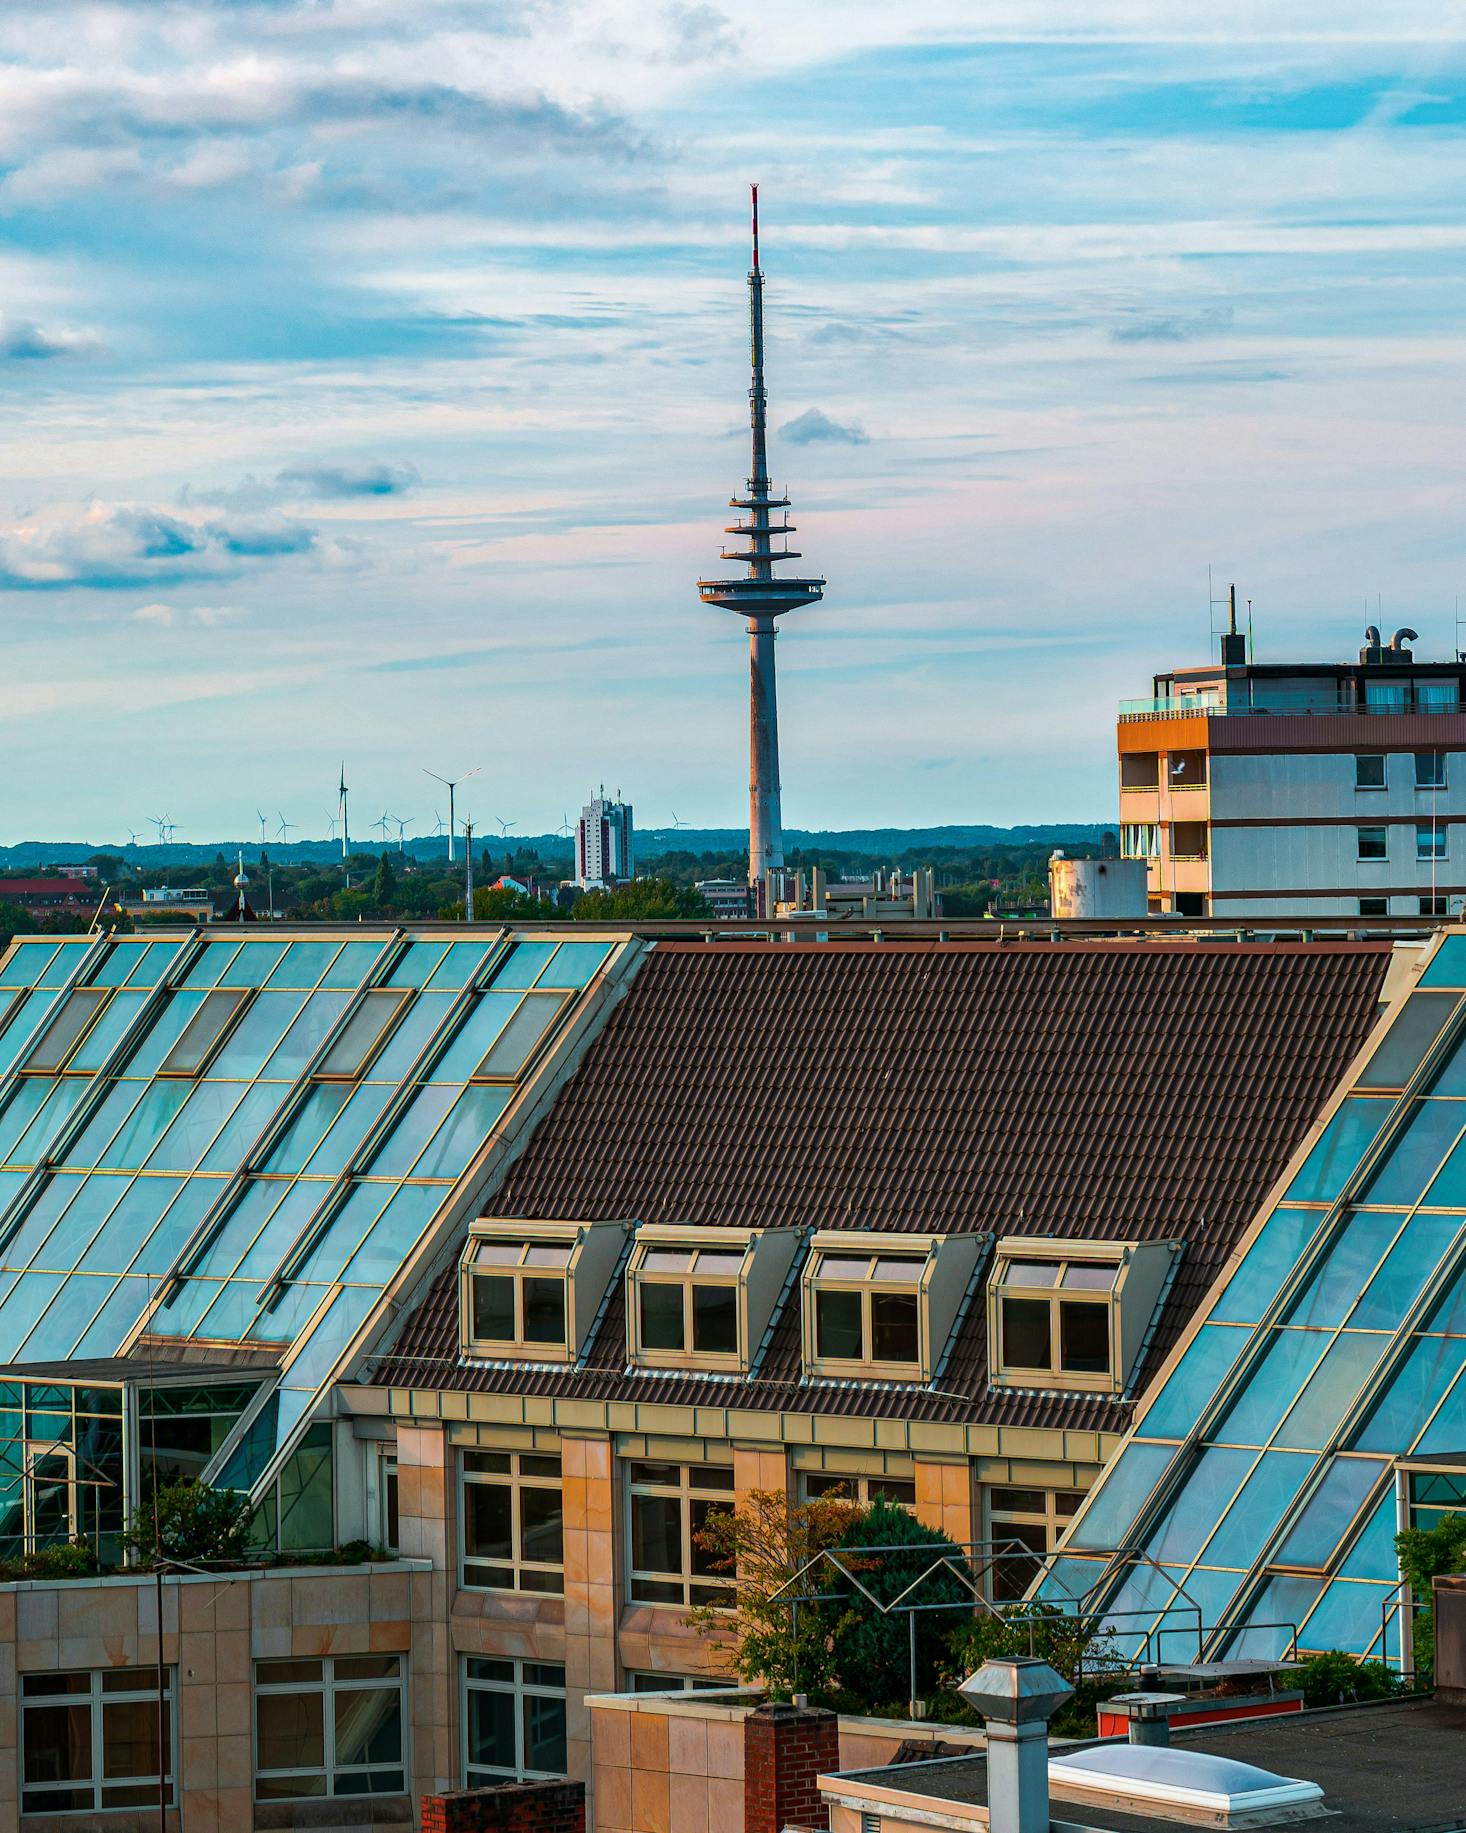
[{"x": 761, "y": 597}]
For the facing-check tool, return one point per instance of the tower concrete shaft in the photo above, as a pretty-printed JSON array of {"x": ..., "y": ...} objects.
[{"x": 761, "y": 597}]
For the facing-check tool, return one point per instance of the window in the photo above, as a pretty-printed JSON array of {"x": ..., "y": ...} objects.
[
  {"x": 684, "y": 1302},
  {"x": 389, "y": 1531},
  {"x": 1188, "y": 840},
  {"x": 1437, "y": 696},
  {"x": 515, "y": 1294},
  {"x": 510, "y": 1052},
  {"x": 1387, "y": 696},
  {"x": 513, "y": 1720},
  {"x": 363, "y": 1033},
  {"x": 1369, "y": 770},
  {"x": 329, "y": 1727},
  {"x": 866, "y": 1309},
  {"x": 1430, "y": 769},
  {"x": 1139, "y": 770},
  {"x": 668, "y": 1506},
  {"x": 78, "y": 1012},
  {"x": 1186, "y": 770},
  {"x": 1435, "y": 906},
  {"x": 1430, "y": 840},
  {"x": 857, "y": 1489},
  {"x": 513, "y": 1526},
  {"x": 1374, "y": 906},
  {"x": 1372, "y": 843},
  {"x": 1054, "y": 1317},
  {"x": 90, "y": 1741},
  {"x": 204, "y": 1032},
  {"x": 645, "y": 1682},
  {"x": 1140, "y": 840},
  {"x": 1035, "y": 1518}
]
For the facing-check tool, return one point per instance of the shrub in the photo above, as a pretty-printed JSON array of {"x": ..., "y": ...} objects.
[
  {"x": 67, "y": 1559},
  {"x": 871, "y": 1653},
  {"x": 1336, "y": 1679},
  {"x": 195, "y": 1524},
  {"x": 1074, "y": 1646},
  {"x": 1425, "y": 1554}
]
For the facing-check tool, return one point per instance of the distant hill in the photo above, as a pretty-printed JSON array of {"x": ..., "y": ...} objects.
[{"x": 650, "y": 841}]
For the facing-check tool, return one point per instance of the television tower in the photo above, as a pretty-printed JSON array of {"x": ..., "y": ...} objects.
[{"x": 761, "y": 597}]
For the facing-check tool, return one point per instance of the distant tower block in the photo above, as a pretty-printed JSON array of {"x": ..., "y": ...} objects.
[{"x": 761, "y": 598}]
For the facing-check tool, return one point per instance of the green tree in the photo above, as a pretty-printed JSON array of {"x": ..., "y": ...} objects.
[
  {"x": 193, "y": 1522},
  {"x": 384, "y": 883},
  {"x": 643, "y": 900},
  {"x": 1426, "y": 1554}
]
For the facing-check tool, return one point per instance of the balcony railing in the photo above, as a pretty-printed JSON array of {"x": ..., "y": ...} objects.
[{"x": 1278, "y": 706}]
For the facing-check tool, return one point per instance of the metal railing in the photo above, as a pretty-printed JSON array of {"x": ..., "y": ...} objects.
[{"x": 1278, "y": 706}]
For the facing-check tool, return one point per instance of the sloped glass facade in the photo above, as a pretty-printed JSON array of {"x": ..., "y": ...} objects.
[
  {"x": 231, "y": 1139},
  {"x": 1257, "y": 1496}
]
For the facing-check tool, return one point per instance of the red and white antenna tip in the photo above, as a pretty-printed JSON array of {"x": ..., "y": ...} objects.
[{"x": 754, "y": 190}]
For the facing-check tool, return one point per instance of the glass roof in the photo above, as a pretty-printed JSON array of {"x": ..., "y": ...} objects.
[
  {"x": 232, "y": 1139},
  {"x": 1258, "y": 1482}
]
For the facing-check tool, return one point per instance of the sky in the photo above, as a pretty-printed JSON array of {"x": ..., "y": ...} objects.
[{"x": 375, "y": 381}]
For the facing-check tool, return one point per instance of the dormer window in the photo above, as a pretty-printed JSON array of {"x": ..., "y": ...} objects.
[
  {"x": 1071, "y": 1314},
  {"x": 530, "y": 1291},
  {"x": 882, "y": 1306},
  {"x": 702, "y": 1297}
]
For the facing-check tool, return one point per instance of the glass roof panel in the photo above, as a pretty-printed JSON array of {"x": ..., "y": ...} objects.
[
  {"x": 27, "y": 1299},
  {"x": 47, "y": 1206},
  {"x": 126, "y": 1236},
  {"x": 416, "y": 967},
  {"x": 1411, "y": 1161},
  {"x": 410, "y": 1039},
  {"x": 1267, "y": 1263},
  {"x": 155, "y": 964},
  {"x": 253, "y": 964},
  {"x": 1411, "y": 1261},
  {"x": 1345, "y": 1267},
  {"x": 40, "y": 1135},
  {"x": 144, "y": 1126},
  {"x": 302, "y": 964},
  {"x": 22, "y": 1108},
  {"x": 1178, "y": 1536},
  {"x": 208, "y": 1106},
  {"x": 1448, "y": 1189},
  {"x": 1332, "y": 1389},
  {"x": 1330, "y": 1512},
  {"x": 353, "y": 962},
  {"x": 63, "y": 964},
  {"x": 305, "y": 1036},
  {"x": 1251, "y": 1520},
  {"x": 1339, "y": 1149},
  {"x": 459, "y": 965},
  {"x": 469, "y": 1123},
  {"x": 1373, "y": 1554},
  {"x": 350, "y": 1128},
  {"x": 524, "y": 964},
  {"x": 363, "y": 1031},
  {"x": 1448, "y": 964},
  {"x": 1412, "y": 1394},
  {"x": 1109, "y": 1512},
  {"x": 1403, "y": 1047},
  {"x": 1196, "y": 1377},
  {"x": 1448, "y": 1314},
  {"x": 254, "y": 1039},
  {"x": 106, "y": 1034},
  {"x": 419, "y": 1120},
  {"x": 26, "y": 964},
  {"x": 1282, "y": 1604},
  {"x": 65, "y": 1025},
  {"x": 400, "y": 1224},
  {"x": 478, "y": 1031},
  {"x": 1348, "y": 1617},
  {"x": 126, "y": 1301},
  {"x": 1272, "y": 1386},
  {"x": 306, "y": 1130},
  {"x": 348, "y": 1227},
  {"x": 66, "y": 1319},
  {"x": 213, "y": 960},
  {"x": 508, "y": 1055},
  {"x": 119, "y": 961},
  {"x": 22, "y": 1020},
  {"x": 116, "y": 1105},
  {"x": 244, "y": 1126},
  {"x": 575, "y": 964}
]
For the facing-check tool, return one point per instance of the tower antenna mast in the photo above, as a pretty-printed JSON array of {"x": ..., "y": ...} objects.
[{"x": 761, "y": 598}]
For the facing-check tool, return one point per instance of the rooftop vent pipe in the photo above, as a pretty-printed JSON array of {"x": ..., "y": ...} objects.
[{"x": 1017, "y": 1697}]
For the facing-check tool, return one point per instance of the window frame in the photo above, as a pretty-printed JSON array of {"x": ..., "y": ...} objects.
[
  {"x": 474, "y": 1266},
  {"x": 1431, "y": 839},
  {"x": 97, "y": 1698},
  {"x": 242, "y": 997},
  {"x": 594, "y": 1252},
  {"x": 401, "y": 998},
  {"x": 532, "y": 998},
  {"x": 1371, "y": 757},
  {"x": 1376, "y": 859},
  {"x": 694, "y": 1242},
  {"x": 1437, "y": 775},
  {"x": 1382, "y": 911},
  {"x": 1050, "y": 1518},
  {"x": 695, "y": 1587},
  {"x": 98, "y": 999},
  {"x": 1062, "y": 1254},
  {"x": 328, "y": 1686},
  {"x": 840, "y": 1245},
  {"x": 517, "y": 1481},
  {"x": 520, "y": 1690},
  {"x": 864, "y": 1487}
]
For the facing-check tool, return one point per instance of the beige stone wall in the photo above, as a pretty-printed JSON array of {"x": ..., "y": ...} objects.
[
  {"x": 214, "y": 1629},
  {"x": 667, "y": 1764},
  {"x": 944, "y": 1499}
]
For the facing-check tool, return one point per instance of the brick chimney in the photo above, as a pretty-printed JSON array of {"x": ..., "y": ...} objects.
[
  {"x": 786, "y": 1749},
  {"x": 507, "y": 1807}
]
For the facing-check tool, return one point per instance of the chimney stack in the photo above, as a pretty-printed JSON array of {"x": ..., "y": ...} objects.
[{"x": 1017, "y": 1696}]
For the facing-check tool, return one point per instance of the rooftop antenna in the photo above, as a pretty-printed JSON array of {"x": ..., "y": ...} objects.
[
  {"x": 451, "y": 785},
  {"x": 341, "y": 804},
  {"x": 761, "y": 599},
  {"x": 241, "y": 884}
]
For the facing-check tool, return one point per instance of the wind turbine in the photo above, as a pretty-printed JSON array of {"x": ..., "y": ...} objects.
[
  {"x": 451, "y": 785},
  {"x": 677, "y": 821},
  {"x": 566, "y": 827},
  {"x": 401, "y": 821},
  {"x": 341, "y": 805},
  {"x": 160, "y": 822},
  {"x": 504, "y": 827},
  {"x": 285, "y": 829},
  {"x": 131, "y": 838},
  {"x": 332, "y": 823},
  {"x": 263, "y": 818},
  {"x": 438, "y": 830},
  {"x": 381, "y": 824}
]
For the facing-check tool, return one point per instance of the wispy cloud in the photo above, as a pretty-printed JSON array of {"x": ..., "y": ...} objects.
[
  {"x": 108, "y": 547},
  {"x": 330, "y": 481},
  {"x": 23, "y": 340},
  {"x": 166, "y": 617},
  {"x": 1173, "y": 327},
  {"x": 814, "y": 425}
]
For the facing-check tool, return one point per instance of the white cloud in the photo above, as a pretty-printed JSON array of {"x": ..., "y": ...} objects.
[{"x": 167, "y": 616}]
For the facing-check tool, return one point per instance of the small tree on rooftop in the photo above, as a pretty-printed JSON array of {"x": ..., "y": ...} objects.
[
  {"x": 1426, "y": 1554},
  {"x": 760, "y": 1546},
  {"x": 191, "y": 1522}
]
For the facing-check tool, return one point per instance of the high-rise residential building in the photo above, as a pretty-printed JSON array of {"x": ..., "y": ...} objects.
[
  {"x": 1272, "y": 789},
  {"x": 605, "y": 847}
]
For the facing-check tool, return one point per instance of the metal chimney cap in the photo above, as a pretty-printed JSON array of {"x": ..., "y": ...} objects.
[{"x": 1016, "y": 1690}]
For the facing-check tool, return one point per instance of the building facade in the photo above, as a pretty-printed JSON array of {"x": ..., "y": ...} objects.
[
  {"x": 500, "y": 1259},
  {"x": 1271, "y": 790},
  {"x": 605, "y": 844}
]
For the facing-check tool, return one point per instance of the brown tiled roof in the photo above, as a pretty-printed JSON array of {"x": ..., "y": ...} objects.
[{"x": 1142, "y": 1091}]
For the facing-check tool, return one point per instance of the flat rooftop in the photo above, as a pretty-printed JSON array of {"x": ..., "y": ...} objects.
[{"x": 1398, "y": 1767}]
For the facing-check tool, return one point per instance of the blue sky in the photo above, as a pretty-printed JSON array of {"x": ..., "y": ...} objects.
[{"x": 374, "y": 379}]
